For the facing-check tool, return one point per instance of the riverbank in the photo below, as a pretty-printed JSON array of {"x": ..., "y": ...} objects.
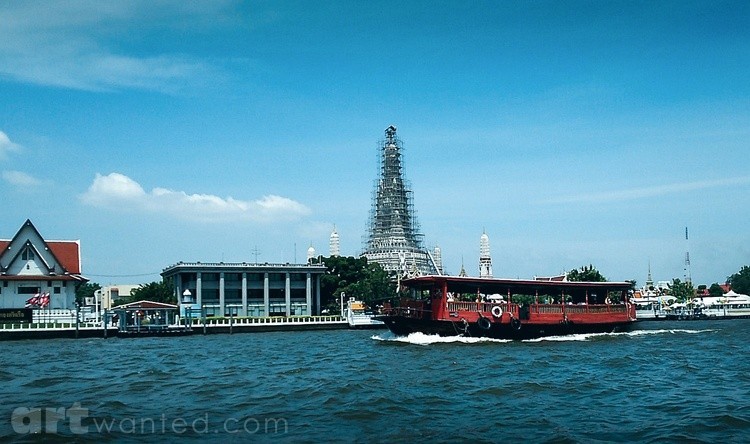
[{"x": 53, "y": 330}]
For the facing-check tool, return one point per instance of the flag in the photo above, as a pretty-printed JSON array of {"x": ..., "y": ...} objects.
[
  {"x": 33, "y": 301},
  {"x": 44, "y": 300}
]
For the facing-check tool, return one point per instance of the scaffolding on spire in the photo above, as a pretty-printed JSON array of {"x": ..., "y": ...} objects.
[{"x": 394, "y": 240}]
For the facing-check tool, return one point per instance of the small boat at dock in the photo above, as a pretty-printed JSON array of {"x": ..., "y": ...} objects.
[{"x": 359, "y": 317}]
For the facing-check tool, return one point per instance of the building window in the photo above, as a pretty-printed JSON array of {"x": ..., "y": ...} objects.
[
  {"x": 28, "y": 254},
  {"x": 28, "y": 290},
  {"x": 236, "y": 277},
  {"x": 210, "y": 277},
  {"x": 56, "y": 290}
]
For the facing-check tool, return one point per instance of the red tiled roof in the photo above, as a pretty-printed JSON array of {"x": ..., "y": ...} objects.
[
  {"x": 51, "y": 277},
  {"x": 68, "y": 253}
]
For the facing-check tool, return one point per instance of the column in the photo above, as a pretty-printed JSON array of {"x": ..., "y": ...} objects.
[
  {"x": 222, "y": 308},
  {"x": 265, "y": 294},
  {"x": 198, "y": 292},
  {"x": 288, "y": 295},
  {"x": 177, "y": 288},
  {"x": 308, "y": 294},
  {"x": 317, "y": 295},
  {"x": 244, "y": 294}
]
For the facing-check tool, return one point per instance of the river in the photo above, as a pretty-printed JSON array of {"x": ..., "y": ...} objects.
[{"x": 665, "y": 382}]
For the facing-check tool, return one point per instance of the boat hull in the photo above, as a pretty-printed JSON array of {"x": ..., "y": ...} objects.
[{"x": 403, "y": 326}]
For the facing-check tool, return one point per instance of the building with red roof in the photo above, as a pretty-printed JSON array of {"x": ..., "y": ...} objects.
[{"x": 39, "y": 273}]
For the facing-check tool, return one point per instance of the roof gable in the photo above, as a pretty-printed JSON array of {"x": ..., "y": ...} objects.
[
  {"x": 144, "y": 304},
  {"x": 53, "y": 257}
]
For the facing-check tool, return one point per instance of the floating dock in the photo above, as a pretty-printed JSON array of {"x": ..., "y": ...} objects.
[{"x": 193, "y": 327}]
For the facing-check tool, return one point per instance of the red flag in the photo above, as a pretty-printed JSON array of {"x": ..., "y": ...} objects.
[
  {"x": 34, "y": 300},
  {"x": 44, "y": 300}
]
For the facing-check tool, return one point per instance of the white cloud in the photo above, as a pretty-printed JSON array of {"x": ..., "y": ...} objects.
[
  {"x": 20, "y": 179},
  {"x": 6, "y": 146},
  {"x": 75, "y": 45},
  {"x": 117, "y": 191},
  {"x": 646, "y": 192}
]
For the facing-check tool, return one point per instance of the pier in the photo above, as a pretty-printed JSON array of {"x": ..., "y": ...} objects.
[{"x": 52, "y": 330}]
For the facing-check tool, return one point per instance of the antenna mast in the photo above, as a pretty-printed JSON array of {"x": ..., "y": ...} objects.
[{"x": 688, "y": 278}]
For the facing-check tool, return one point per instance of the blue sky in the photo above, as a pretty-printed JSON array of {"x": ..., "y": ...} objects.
[{"x": 574, "y": 133}]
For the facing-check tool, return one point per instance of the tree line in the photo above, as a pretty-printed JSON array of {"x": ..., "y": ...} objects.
[{"x": 369, "y": 282}]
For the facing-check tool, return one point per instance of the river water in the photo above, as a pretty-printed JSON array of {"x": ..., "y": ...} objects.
[{"x": 665, "y": 382}]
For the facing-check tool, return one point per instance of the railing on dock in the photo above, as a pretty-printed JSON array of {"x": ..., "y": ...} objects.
[
  {"x": 226, "y": 321},
  {"x": 49, "y": 326}
]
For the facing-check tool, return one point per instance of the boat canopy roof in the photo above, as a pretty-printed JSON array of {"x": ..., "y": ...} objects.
[{"x": 462, "y": 284}]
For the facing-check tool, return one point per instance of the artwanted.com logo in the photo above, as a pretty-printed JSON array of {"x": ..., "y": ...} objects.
[{"x": 76, "y": 420}]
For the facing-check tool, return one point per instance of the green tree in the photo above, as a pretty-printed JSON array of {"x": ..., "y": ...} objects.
[
  {"x": 154, "y": 291},
  {"x": 683, "y": 291},
  {"x": 740, "y": 281},
  {"x": 356, "y": 277},
  {"x": 586, "y": 274},
  {"x": 715, "y": 290},
  {"x": 86, "y": 291}
]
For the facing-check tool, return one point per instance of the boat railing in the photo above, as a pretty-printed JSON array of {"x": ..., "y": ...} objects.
[
  {"x": 409, "y": 312},
  {"x": 479, "y": 306},
  {"x": 579, "y": 308}
]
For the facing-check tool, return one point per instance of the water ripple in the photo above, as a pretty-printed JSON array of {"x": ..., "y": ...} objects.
[{"x": 666, "y": 382}]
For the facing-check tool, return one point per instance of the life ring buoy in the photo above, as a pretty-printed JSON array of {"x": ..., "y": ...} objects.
[
  {"x": 497, "y": 311},
  {"x": 484, "y": 323}
]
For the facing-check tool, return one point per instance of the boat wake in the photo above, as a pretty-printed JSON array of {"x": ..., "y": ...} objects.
[
  {"x": 423, "y": 339},
  {"x": 668, "y": 331}
]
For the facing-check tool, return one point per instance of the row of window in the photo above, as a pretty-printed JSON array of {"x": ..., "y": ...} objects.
[
  {"x": 32, "y": 290},
  {"x": 274, "y": 277}
]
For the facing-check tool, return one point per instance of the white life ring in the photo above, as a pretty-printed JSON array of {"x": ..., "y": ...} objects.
[{"x": 497, "y": 311}]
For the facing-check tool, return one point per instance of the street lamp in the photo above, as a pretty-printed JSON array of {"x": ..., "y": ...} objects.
[{"x": 187, "y": 300}]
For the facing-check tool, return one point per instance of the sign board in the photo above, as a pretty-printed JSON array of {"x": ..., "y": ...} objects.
[{"x": 15, "y": 315}]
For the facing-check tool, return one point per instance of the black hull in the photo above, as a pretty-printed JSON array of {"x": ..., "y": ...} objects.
[{"x": 403, "y": 326}]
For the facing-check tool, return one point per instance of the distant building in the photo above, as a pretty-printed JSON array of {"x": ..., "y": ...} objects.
[
  {"x": 310, "y": 253},
  {"x": 38, "y": 272},
  {"x": 334, "y": 243},
  {"x": 485, "y": 260},
  {"x": 105, "y": 297},
  {"x": 394, "y": 240},
  {"x": 245, "y": 289},
  {"x": 437, "y": 256}
]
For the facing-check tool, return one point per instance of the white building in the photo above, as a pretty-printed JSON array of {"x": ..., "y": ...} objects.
[
  {"x": 334, "y": 243},
  {"x": 245, "y": 289},
  {"x": 106, "y": 296},
  {"x": 485, "y": 260},
  {"x": 31, "y": 266}
]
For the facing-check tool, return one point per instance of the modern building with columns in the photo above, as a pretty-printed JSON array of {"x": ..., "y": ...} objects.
[{"x": 248, "y": 289}]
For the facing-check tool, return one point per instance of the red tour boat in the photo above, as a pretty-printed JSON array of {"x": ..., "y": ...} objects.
[{"x": 509, "y": 308}]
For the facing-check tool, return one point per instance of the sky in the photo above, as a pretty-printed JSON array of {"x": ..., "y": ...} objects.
[{"x": 571, "y": 132}]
